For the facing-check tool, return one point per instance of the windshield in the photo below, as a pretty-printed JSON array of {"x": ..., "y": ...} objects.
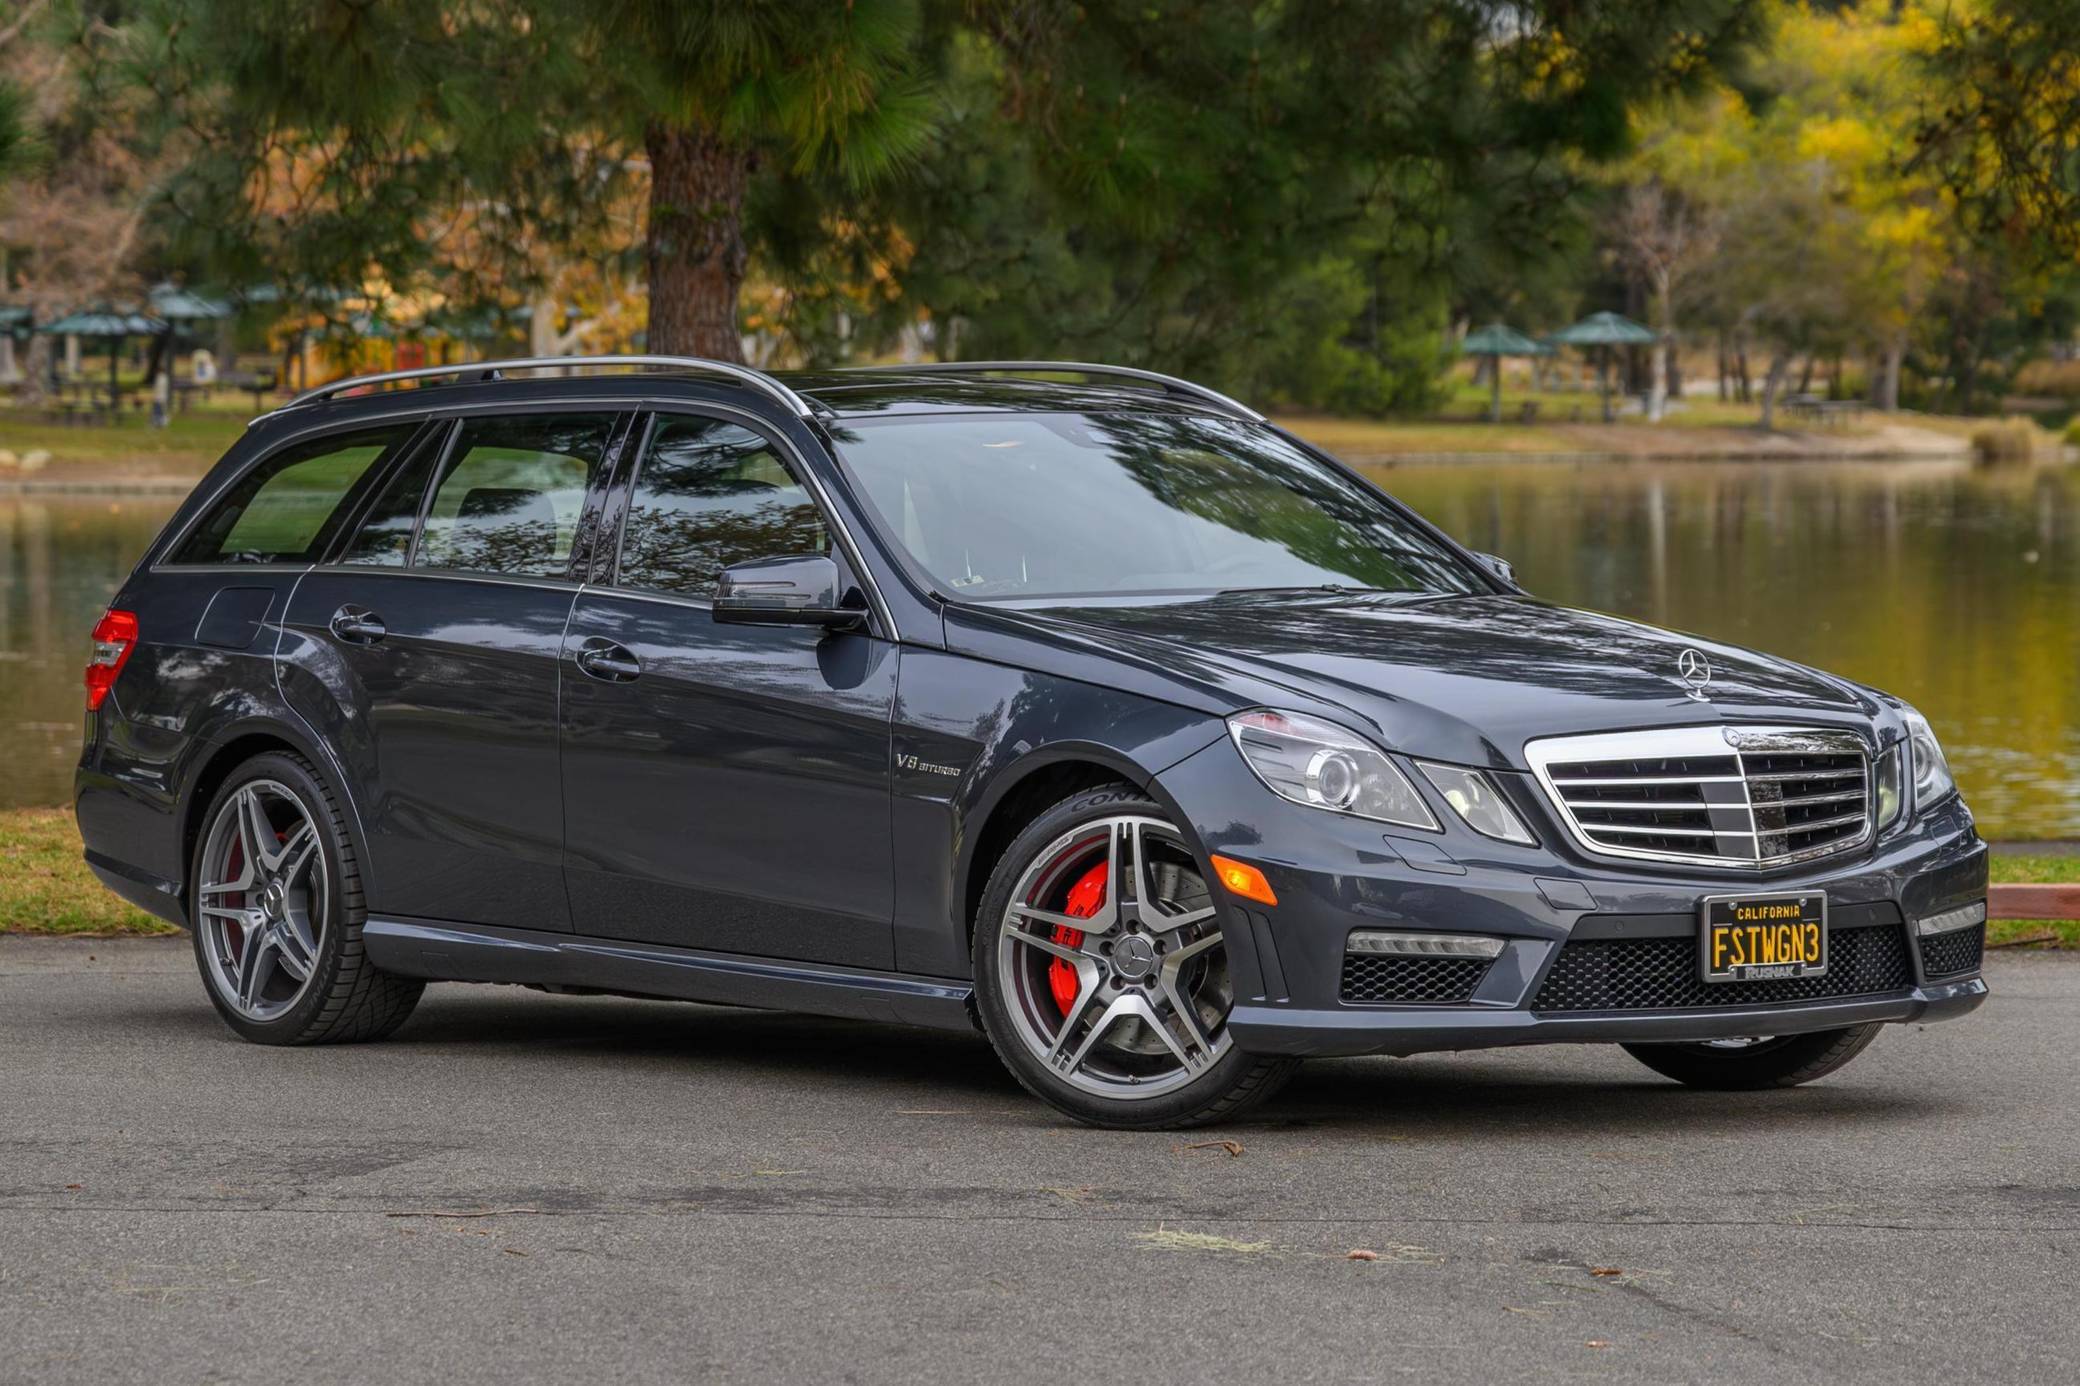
[{"x": 1015, "y": 506}]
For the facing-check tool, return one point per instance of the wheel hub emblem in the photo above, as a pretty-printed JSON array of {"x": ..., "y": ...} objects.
[
  {"x": 1135, "y": 957},
  {"x": 271, "y": 899}
]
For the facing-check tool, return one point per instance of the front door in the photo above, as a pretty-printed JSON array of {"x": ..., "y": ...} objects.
[
  {"x": 428, "y": 652},
  {"x": 724, "y": 787}
]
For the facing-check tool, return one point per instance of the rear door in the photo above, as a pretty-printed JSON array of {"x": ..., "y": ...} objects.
[
  {"x": 725, "y": 787},
  {"x": 428, "y": 651}
]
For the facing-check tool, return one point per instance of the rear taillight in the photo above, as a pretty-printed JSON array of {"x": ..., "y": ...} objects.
[{"x": 115, "y": 636}]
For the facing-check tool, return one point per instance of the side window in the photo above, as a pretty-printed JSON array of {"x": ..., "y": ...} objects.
[
  {"x": 511, "y": 493},
  {"x": 385, "y": 537},
  {"x": 287, "y": 509},
  {"x": 708, "y": 494}
]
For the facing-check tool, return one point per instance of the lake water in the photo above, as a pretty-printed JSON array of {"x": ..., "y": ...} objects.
[{"x": 1956, "y": 588}]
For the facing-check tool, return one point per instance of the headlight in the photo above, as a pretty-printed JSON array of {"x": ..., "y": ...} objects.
[
  {"x": 1474, "y": 797},
  {"x": 1932, "y": 778},
  {"x": 1891, "y": 786},
  {"x": 1321, "y": 765}
]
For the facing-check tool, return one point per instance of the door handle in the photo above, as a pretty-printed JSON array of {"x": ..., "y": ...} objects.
[
  {"x": 358, "y": 625},
  {"x": 608, "y": 661}
]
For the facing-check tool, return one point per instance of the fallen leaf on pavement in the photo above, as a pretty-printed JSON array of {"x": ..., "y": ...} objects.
[
  {"x": 1361, "y": 1254},
  {"x": 1169, "y": 1239},
  {"x": 1605, "y": 1270},
  {"x": 1232, "y": 1147},
  {"x": 1598, "y": 1343}
]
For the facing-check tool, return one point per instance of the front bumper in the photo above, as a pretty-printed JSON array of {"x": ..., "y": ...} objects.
[
  {"x": 1285, "y": 1029},
  {"x": 1333, "y": 874}
]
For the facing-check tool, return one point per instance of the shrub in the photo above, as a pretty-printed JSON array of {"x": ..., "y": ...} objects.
[
  {"x": 2057, "y": 379},
  {"x": 2011, "y": 440}
]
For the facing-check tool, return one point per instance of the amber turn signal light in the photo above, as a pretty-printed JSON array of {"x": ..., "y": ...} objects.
[{"x": 1245, "y": 880}]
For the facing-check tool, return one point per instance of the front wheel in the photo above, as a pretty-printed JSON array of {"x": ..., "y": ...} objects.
[
  {"x": 1763, "y": 1061},
  {"x": 1101, "y": 975}
]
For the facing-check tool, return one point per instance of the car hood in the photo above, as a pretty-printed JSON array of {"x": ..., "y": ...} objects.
[{"x": 1466, "y": 678}]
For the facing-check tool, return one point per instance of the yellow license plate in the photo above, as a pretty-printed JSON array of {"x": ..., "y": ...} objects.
[{"x": 1763, "y": 938}]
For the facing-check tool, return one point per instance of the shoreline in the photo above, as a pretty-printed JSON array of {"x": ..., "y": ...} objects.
[{"x": 181, "y": 484}]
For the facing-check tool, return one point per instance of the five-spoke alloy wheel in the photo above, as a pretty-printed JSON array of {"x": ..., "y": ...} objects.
[
  {"x": 277, "y": 912},
  {"x": 1101, "y": 972},
  {"x": 262, "y": 900}
]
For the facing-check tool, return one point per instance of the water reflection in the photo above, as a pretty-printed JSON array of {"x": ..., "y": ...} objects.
[
  {"x": 61, "y": 557},
  {"x": 1956, "y": 589}
]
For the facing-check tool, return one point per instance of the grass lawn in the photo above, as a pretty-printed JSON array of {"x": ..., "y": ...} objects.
[
  {"x": 1570, "y": 423},
  {"x": 2028, "y": 870},
  {"x": 128, "y": 449},
  {"x": 46, "y": 889}
]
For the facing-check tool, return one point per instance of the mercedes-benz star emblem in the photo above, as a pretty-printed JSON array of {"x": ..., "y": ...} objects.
[{"x": 1695, "y": 669}]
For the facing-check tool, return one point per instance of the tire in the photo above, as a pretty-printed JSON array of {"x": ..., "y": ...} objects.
[
  {"x": 313, "y": 923},
  {"x": 1125, "y": 1075},
  {"x": 1782, "y": 1062}
]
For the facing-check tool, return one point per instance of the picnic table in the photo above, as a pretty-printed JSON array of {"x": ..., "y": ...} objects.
[
  {"x": 257, "y": 382},
  {"x": 1824, "y": 411}
]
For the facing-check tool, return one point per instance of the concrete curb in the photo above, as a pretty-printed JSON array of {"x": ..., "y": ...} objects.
[{"x": 2033, "y": 901}]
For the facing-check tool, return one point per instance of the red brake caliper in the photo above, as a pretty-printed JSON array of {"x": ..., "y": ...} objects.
[{"x": 1086, "y": 898}]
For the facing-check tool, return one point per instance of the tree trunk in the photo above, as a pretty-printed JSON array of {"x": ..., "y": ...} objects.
[
  {"x": 1779, "y": 368},
  {"x": 1888, "y": 376},
  {"x": 1740, "y": 380},
  {"x": 695, "y": 242},
  {"x": 36, "y": 374},
  {"x": 1664, "y": 339}
]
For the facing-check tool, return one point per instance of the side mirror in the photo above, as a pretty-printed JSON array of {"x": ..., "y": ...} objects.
[
  {"x": 1500, "y": 567},
  {"x": 795, "y": 591}
]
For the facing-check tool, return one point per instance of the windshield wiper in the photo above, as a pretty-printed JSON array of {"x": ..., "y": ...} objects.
[{"x": 1330, "y": 588}]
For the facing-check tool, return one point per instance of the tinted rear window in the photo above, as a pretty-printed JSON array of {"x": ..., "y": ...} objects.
[
  {"x": 289, "y": 508},
  {"x": 511, "y": 494}
]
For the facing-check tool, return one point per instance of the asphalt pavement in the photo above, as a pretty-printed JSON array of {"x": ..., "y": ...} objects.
[{"x": 525, "y": 1187}]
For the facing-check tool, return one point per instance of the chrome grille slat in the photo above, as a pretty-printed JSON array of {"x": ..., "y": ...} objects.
[
  {"x": 1651, "y": 805},
  {"x": 1796, "y": 793},
  {"x": 1650, "y": 779},
  {"x": 1783, "y": 775},
  {"x": 1660, "y": 830},
  {"x": 1804, "y": 799},
  {"x": 1815, "y": 824}
]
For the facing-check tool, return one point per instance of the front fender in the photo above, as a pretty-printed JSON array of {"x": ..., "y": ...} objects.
[{"x": 968, "y": 736}]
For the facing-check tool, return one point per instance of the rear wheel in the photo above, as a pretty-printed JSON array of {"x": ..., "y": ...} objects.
[
  {"x": 1761, "y": 1061},
  {"x": 1101, "y": 974},
  {"x": 276, "y": 905}
]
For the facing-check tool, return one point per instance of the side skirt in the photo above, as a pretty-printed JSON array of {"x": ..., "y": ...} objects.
[{"x": 445, "y": 952}]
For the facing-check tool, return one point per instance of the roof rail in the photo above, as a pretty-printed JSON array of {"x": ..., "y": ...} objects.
[
  {"x": 756, "y": 379},
  {"x": 1170, "y": 383}
]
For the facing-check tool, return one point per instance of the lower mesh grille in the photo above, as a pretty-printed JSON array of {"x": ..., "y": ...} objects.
[
  {"x": 1652, "y": 974},
  {"x": 1954, "y": 953},
  {"x": 1381, "y": 979}
]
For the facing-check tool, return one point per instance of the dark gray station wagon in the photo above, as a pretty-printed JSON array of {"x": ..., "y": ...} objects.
[{"x": 1078, "y": 704}]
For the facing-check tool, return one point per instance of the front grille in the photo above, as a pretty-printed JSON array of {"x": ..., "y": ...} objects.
[
  {"x": 1656, "y": 974},
  {"x": 1954, "y": 953},
  {"x": 1723, "y": 796},
  {"x": 1386, "y": 979}
]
